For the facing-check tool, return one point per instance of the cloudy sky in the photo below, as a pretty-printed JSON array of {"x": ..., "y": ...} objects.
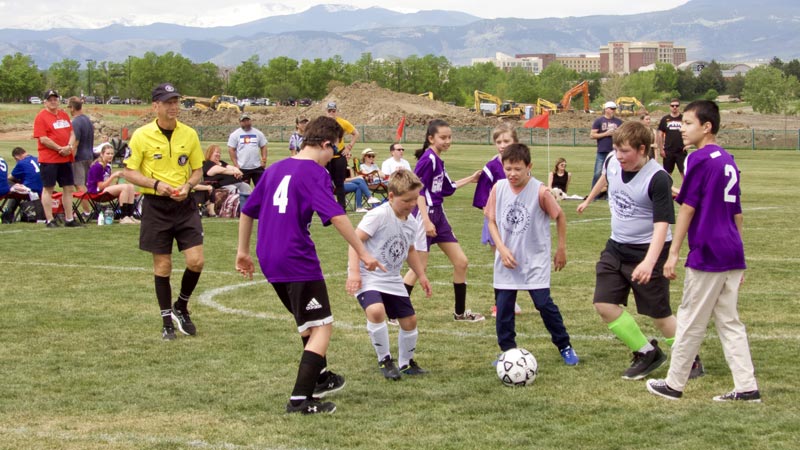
[{"x": 42, "y": 14}]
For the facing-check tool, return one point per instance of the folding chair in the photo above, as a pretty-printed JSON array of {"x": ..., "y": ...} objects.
[
  {"x": 96, "y": 201},
  {"x": 15, "y": 196}
]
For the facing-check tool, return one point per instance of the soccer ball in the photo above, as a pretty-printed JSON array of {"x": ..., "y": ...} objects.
[
  {"x": 517, "y": 367},
  {"x": 558, "y": 194}
]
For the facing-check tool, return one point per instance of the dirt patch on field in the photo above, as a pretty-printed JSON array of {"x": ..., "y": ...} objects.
[{"x": 368, "y": 105}]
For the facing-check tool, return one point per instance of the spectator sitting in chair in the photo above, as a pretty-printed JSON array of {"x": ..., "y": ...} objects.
[
  {"x": 357, "y": 184},
  {"x": 396, "y": 161},
  {"x": 369, "y": 169},
  {"x": 221, "y": 174},
  {"x": 100, "y": 180},
  {"x": 25, "y": 176}
]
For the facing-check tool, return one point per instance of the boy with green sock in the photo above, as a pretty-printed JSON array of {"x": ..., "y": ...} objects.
[{"x": 640, "y": 200}]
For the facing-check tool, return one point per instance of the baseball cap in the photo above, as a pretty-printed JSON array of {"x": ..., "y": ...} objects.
[
  {"x": 301, "y": 120},
  {"x": 50, "y": 93},
  {"x": 164, "y": 92},
  {"x": 244, "y": 116},
  {"x": 611, "y": 105},
  {"x": 332, "y": 105},
  {"x": 367, "y": 151}
]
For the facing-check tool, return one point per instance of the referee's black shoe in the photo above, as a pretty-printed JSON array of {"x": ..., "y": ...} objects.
[{"x": 184, "y": 322}]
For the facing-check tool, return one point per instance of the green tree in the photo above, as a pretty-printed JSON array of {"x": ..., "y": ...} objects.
[
  {"x": 65, "y": 76},
  {"x": 314, "y": 77},
  {"x": 642, "y": 86},
  {"x": 687, "y": 84},
  {"x": 281, "y": 78},
  {"x": 523, "y": 86},
  {"x": 735, "y": 85},
  {"x": 555, "y": 80},
  {"x": 466, "y": 80},
  {"x": 248, "y": 79},
  {"x": 613, "y": 88},
  {"x": 710, "y": 78},
  {"x": 206, "y": 82},
  {"x": 769, "y": 90},
  {"x": 666, "y": 78},
  {"x": 19, "y": 78}
]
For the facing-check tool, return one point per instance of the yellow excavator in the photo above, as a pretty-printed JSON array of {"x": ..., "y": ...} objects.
[
  {"x": 628, "y": 106},
  {"x": 217, "y": 103},
  {"x": 491, "y": 105},
  {"x": 543, "y": 105},
  {"x": 428, "y": 94}
]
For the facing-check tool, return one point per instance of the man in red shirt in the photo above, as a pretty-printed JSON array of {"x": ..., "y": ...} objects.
[{"x": 53, "y": 131}]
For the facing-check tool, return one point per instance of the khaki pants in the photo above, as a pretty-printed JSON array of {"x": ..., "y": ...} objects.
[{"x": 707, "y": 294}]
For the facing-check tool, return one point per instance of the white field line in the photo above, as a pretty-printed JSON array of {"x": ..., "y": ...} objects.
[{"x": 207, "y": 298}]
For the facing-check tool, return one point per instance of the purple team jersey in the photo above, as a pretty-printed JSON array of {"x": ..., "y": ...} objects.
[
  {"x": 492, "y": 173},
  {"x": 436, "y": 183},
  {"x": 96, "y": 174},
  {"x": 284, "y": 202},
  {"x": 711, "y": 187}
]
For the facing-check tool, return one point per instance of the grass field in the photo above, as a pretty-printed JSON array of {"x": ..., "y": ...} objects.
[{"x": 84, "y": 367}]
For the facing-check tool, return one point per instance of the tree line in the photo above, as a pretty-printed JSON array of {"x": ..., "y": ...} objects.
[{"x": 769, "y": 88}]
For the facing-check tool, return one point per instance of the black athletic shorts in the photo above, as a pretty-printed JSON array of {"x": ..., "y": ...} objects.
[
  {"x": 307, "y": 301},
  {"x": 164, "y": 219},
  {"x": 613, "y": 285},
  {"x": 673, "y": 159},
  {"x": 52, "y": 172}
]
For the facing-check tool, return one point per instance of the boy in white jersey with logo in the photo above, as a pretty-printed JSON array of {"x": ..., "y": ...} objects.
[
  {"x": 388, "y": 232},
  {"x": 711, "y": 216},
  {"x": 519, "y": 210}
]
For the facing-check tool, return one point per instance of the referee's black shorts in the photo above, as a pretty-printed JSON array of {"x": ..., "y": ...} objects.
[{"x": 164, "y": 219}]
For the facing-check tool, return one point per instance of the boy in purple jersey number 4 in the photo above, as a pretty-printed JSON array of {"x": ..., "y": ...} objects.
[
  {"x": 389, "y": 231},
  {"x": 711, "y": 216},
  {"x": 284, "y": 202}
]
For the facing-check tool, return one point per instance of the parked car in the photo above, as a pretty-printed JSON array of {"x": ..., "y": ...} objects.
[
  {"x": 114, "y": 100},
  {"x": 35, "y": 101},
  {"x": 89, "y": 99},
  {"x": 304, "y": 102},
  {"x": 261, "y": 102}
]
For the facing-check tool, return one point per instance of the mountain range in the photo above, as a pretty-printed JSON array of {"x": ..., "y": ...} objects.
[{"x": 732, "y": 30}]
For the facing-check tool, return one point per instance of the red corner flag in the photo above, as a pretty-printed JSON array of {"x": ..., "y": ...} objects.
[
  {"x": 540, "y": 121},
  {"x": 400, "y": 128}
]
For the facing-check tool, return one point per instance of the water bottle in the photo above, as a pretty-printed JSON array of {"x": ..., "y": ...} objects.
[
  {"x": 101, "y": 219},
  {"x": 109, "y": 216}
]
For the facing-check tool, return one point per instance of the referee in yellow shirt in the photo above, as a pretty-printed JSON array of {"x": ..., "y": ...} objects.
[{"x": 166, "y": 162}]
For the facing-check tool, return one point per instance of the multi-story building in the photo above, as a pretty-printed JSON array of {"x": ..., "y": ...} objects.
[
  {"x": 508, "y": 62},
  {"x": 628, "y": 57},
  {"x": 580, "y": 63}
]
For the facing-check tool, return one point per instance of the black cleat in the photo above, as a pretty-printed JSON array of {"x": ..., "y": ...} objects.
[
  {"x": 185, "y": 324},
  {"x": 311, "y": 406},
  {"x": 332, "y": 383},
  {"x": 412, "y": 368},
  {"x": 168, "y": 334},
  {"x": 645, "y": 363},
  {"x": 389, "y": 369}
]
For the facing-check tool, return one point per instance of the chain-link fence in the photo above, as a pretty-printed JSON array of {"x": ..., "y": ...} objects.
[{"x": 566, "y": 137}]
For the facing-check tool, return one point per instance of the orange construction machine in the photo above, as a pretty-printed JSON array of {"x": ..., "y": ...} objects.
[{"x": 581, "y": 88}]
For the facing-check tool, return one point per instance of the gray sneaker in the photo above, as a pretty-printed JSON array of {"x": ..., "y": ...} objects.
[
  {"x": 749, "y": 396},
  {"x": 389, "y": 369},
  {"x": 645, "y": 363},
  {"x": 468, "y": 316}
]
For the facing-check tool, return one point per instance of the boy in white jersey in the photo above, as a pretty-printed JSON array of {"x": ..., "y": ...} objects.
[
  {"x": 519, "y": 211},
  {"x": 389, "y": 232}
]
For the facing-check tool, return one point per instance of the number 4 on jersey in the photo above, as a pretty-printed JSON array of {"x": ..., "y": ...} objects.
[{"x": 281, "y": 196}]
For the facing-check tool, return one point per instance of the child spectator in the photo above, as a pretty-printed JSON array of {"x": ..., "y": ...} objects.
[
  {"x": 503, "y": 136},
  {"x": 559, "y": 178},
  {"x": 100, "y": 180},
  {"x": 519, "y": 210},
  {"x": 381, "y": 294},
  {"x": 640, "y": 200},
  {"x": 284, "y": 203},
  {"x": 437, "y": 185},
  {"x": 296, "y": 139},
  {"x": 711, "y": 216}
]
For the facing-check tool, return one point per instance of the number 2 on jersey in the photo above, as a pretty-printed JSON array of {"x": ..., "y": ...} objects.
[
  {"x": 730, "y": 171},
  {"x": 281, "y": 196}
]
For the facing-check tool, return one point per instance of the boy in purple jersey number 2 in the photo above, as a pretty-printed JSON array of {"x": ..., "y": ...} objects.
[
  {"x": 711, "y": 216},
  {"x": 430, "y": 214},
  {"x": 284, "y": 202}
]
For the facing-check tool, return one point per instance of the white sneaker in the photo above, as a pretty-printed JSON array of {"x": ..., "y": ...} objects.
[
  {"x": 373, "y": 201},
  {"x": 362, "y": 210},
  {"x": 128, "y": 220}
]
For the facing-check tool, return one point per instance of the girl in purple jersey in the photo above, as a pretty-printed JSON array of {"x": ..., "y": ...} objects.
[
  {"x": 503, "y": 135},
  {"x": 437, "y": 230},
  {"x": 711, "y": 216}
]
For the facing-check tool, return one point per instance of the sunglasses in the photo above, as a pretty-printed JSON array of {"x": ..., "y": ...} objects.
[
  {"x": 331, "y": 110},
  {"x": 400, "y": 149},
  {"x": 674, "y": 106}
]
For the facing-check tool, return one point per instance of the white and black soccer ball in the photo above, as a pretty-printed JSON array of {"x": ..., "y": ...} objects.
[
  {"x": 517, "y": 367},
  {"x": 558, "y": 194}
]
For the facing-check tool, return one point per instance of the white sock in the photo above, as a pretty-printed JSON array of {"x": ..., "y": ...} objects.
[
  {"x": 647, "y": 348},
  {"x": 379, "y": 335},
  {"x": 407, "y": 344}
]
